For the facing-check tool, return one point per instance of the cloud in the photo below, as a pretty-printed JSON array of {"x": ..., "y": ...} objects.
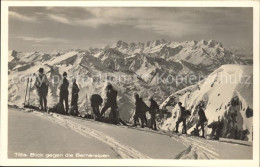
[
  {"x": 161, "y": 21},
  {"x": 43, "y": 39},
  {"x": 131, "y": 23},
  {"x": 21, "y": 17},
  {"x": 171, "y": 21},
  {"x": 59, "y": 18}
]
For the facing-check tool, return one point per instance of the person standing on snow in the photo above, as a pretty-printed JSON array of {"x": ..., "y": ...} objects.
[
  {"x": 41, "y": 84},
  {"x": 74, "y": 97},
  {"x": 202, "y": 119},
  {"x": 96, "y": 101},
  {"x": 181, "y": 118},
  {"x": 111, "y": 97},
  {"x": 154, "y": 108},
  {"x": 140, "y": 109},
  {"x": 64, "y": 93}
]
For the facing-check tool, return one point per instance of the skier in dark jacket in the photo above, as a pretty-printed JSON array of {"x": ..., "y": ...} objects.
[
  {"x": 111, "y": 97},
  {"x": 140, "y": 110},
  {"x": 42, "y": 83},
  {"x": 202, "y": 119},
  {"x": 181, "y": 118},
  {"x": 154, "y": 108},
  {"x": 74, "y": 97},
  {"x": 96, "y": 101},
  {"x": 64, "y": 93}
]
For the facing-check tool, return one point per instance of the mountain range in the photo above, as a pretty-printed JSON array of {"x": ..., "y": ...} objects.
[{"x": 158, "y": 68}]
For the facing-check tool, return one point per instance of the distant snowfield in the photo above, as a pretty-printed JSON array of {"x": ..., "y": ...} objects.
[{"x": 53, "y": 133}]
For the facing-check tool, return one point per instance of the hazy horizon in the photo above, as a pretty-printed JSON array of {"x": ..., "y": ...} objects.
[{"x": 45, "y": 29}]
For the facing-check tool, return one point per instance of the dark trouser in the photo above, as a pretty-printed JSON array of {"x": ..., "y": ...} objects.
[
  {"x": 74, "y": 102},
  {"x": 201, "y": 124},
  {"x": 183, "y": 120},
  {"x": 142, "y": 116},
  {"x": 153, "y": 122},
  {"x": 96, "y": 112},
  {"x": 43, "y": 101},
  {"x": 136, "y": 116},
  {"x": 113, "y": 110},
  {"x": 64, "y": 98}
]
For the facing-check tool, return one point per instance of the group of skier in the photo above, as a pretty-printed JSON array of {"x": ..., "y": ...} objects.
[{"x": 42, "y": 83}]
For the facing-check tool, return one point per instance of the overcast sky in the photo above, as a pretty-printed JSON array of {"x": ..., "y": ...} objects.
[{"x": 62, "y": 28}]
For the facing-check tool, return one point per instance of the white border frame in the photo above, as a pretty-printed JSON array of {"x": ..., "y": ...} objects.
[{"x": 123, "y": 162}]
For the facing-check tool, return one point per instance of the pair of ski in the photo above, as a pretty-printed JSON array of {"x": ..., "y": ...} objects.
[{"x": 28, "y": 91}]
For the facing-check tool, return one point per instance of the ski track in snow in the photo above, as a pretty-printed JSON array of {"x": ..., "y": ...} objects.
[
  {"x": 124, "y": 151},
  {"x": 196, "y": 149}
]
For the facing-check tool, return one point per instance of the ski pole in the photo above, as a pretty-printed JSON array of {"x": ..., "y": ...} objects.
[
  {"x": 29, "y": 92},
  {"x": 26, "y": 91}
]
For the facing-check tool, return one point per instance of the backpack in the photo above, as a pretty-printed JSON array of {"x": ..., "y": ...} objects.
[
  {"x": 202, "y": 115},
  {"x": 154, "y": 107},
  {"x": 144, "y": 107}
]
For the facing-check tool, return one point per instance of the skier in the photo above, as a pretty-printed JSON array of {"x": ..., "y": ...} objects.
[
  {"x": 217, "y": 127},
  {"x": 42, "y": 83},
  {"x": 64, "y": 93},
  {"x": 202, "y": 119},
  {"x": 74, "y": 97},
  {"x": 154, "y": 108},
  {"x": 111, "y": 96},
  {"x": 96, "y": 101},
  {"x": 140, "y": 109},
  {"x": 181, "y": 118}
]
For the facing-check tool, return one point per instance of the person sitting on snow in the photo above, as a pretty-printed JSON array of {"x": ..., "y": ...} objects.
[{"x": 217, "y": 127}]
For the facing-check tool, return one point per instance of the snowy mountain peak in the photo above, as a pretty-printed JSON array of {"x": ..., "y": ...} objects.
[
  {"x": 12, "y": 53},
  {"x": 121, "y": 44},
  {"x": 203, "y": 42}
]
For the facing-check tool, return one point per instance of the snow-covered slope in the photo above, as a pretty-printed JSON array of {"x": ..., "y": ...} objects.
[
  {"x": 226, "y": 93},
  {"x": 146, "y": 68}
]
